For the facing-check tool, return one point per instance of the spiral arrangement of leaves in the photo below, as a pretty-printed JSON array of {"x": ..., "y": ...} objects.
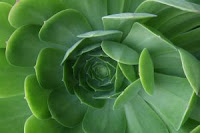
[{"x": 99, "y": 66}]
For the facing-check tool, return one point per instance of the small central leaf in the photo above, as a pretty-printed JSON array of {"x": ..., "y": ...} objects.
[{"x": 101, "y": 71}]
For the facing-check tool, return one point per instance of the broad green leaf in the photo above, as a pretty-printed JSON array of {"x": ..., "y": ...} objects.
[
  {"x": 94, "y": 10},
  {"x": 146, "y": 71},
  {"x": 124, "y": 21},
  {"x": 120, "y": 52},
  {"x": 129, "y": 93},
  {"x": 13, "y": 113},
  {"x": 115, "y": 6},
  {"x": 141, "y": 118},
  {"x": 174, "y": 17},
  {"x": 34, "y": 125},
  {"x": 66, "y": 108},
  {"x": 37, "y": 98},
  {"x": 62, "y": 27},
  {"x": 5, "y": 28},
  {"x": 191, "y": 67},
  {"x": 34, "y": 11},
  {"x": 9, "y": 1},
  {"x": 49, "y": 72},
  {"x": 105, "y": 120},
  {"x": 164, "y": 54},
  {"x": 194, "y": 1},
  {"x": 176, "y": 99},
  {"x": 12, "y": 77},
  {"x": 195, "y": 115},
  {"x": 128, "y": 71},
  {"x": 196, "y": 130},
  {"x": 106, "y": 95},
  {"x": 24, "y": 45},
  {"x": 131, "y": 5},
  {"x": 112, "y": 35},
  {"x": 86, "y": 97},
  {"x": 119, "y": 79}
]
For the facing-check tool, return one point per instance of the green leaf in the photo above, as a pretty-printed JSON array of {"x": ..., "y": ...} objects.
[
  {"x": 13, "y": 113},
  {"x": 27, "y": 12},
  {"x": 120, "y": 52},
  {"x": 176, "y": 99},
  {"x": 90, "y": 9},
  {"x": 195, "y": 115},
  {"x": 119, "y": 79},
  {"x": 62, "y": 27},
  {"x": 12, "y": 77},
  {"x": 5, "y": 28},
  {"x": 9, "y": 1},
  {"x": 66, "y": 108},
  {"x": 124, "y": 21},
  {"x": 34, "y": 125},
  {"x": 86, "y": 97},
  {"x": 49, "y": 72},
  {"x": 25, "y": 41},
  {"x": 146, "y": 71},
  {"x": 128, "y": 71},
  {"x": 191, "y": 67},
  {"x": 115, "y": 6},
  {"x": 112, "y": 35},
  {"x": 142, "y": 119},
  {"x": 196, "y": 130},
  {"x": 129, "y": 93},
  {"x": 131, "y": 5},
  {"x": 37, "y": 98},
  {"x": 164, "y": 54},
  {"x": 105, "y": 120}
]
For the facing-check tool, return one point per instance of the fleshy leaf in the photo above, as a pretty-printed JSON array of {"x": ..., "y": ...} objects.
[
  {"x": 9, "y": 1},
  {"x": 62, "y": 27},
  {"x": 13, "y": 113},
  {"x": 129, "y": 93},
  {"x": 24, "y": 45},
  {"x": 176, "y": 99},
  {"x": 191, "y": 67},
  {"x": 196, "y": 130},
  {"x": 66, "y": 108},
  {"x": 49, "y": 72},
  {"x": 131, "y": 5},
  {"x": 195, "y": 115},
  {"x": 5, "y": 28},
  {"x": 128, "y": 71},
  {"x": 146, "y": 71},
  {"x": 120, "y": 52},
  {"x": 12, "y": 77},
  {"x": 37, "y": 98},
  {"x": 119, "y": 80},
  {"x": 106, "y": 120},
  {"x": 115, "y": 6},
  {"x": 142, "y": 119}
]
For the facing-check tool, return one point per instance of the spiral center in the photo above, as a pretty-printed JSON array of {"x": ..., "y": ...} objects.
[{"x": 101, "y": 71}]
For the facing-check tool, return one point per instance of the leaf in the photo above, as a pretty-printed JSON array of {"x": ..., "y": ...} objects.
[
  {"x": 106, "y": 120},
  {"x": 128, "y": 71},
  {"x": 115, "y": 6},
  {"x": 176, "y": 99},
  {"x": 191, "y": 67},
  {"x": 37, "y": 98},
  {"x": 195, "y": 114},
  {"x": 129, "y": 93},
  {"x": 13, "y": 113},
  {"x": 120, "y": 52},
  {"x": 62, "y": 27},
  {"x": 12, "y": 77},
  {"x": 48, "y": 70},
  {"x": 141, "y": 118},
  {"x": 196, "y": 130},
  {"x": 9, "y": 1},
  {"x": 119, "y": 79},
  {"x": 131, "y": 5},
  {"x": 146, "y": 71},
  {"x": 25, "y": 41},
  {"x": 66, "y": 108},
  {"x": 5, "y": 28}
]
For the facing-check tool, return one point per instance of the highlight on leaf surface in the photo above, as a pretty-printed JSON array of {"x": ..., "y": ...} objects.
[{"x": 99, "y": 66}]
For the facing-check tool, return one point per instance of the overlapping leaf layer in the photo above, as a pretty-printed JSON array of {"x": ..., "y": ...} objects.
[{"x": 99, "y": 66}]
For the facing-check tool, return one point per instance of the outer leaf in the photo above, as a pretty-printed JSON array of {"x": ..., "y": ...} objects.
[
  {"x": 115, "y": 6},
  {"x": 129, "y": 93},
  {"x": 5, "y": 28},
  {"x": 12, "y": 77},
  {"x": 9, "y": 1},
  {"x": 13, "y": 113},
  {"x": 176, "y": 99},
  {"x": 146, "y": 71},
  {"x": 48, "y": 70},
  {"x": 37, "y": 97},
  {"x": 131, "y": 5},
  {"x": 120, "y": 52},
  {"x": 66, "y": 108},
  {"x": 196, "y": 130},
  {"x": 195, "y": 115},
  {"x": 142, "y": 119},
  {"x": 191, "y": 67},
  {"x": 106, "y": 120},
  {"x": 128, "y": 71},
  {"x": 62, "y": 27}
]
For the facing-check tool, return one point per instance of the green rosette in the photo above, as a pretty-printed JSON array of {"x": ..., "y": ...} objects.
[{"x": 99, "y": 66}]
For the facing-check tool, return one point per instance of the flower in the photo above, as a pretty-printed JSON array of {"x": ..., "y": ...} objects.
[{"x": 99, "y": 66}]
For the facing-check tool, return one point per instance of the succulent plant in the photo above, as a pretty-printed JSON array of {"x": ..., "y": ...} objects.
[{"x": 99, "y": 66}]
